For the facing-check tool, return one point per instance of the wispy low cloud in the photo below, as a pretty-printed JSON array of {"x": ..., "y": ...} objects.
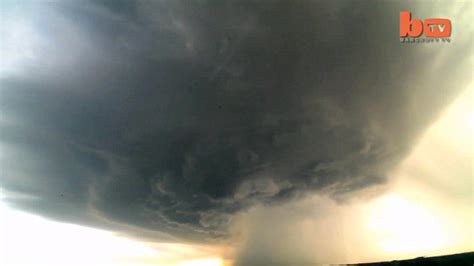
[{"x": 166, "y": 119}]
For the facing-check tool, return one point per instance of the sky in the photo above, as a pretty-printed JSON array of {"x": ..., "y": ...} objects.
[{"x": 232, "y": 133}]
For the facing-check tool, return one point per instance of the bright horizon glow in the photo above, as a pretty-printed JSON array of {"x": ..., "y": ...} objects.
[
  {"x": 51, "y": 243},
  {"x": 202, "y": 262},
  {"x": 429, "y": 210},
  {"x": 404, "y": 227}
]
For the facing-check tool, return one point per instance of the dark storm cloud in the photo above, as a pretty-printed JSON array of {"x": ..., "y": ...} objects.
[{"x": 173, "y": 116}]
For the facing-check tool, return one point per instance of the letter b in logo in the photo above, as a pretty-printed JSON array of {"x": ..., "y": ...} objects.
[{"x": 408, "y": 26}]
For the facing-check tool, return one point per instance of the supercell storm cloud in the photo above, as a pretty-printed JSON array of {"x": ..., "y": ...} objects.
[{"x": 171, "y": 117}]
